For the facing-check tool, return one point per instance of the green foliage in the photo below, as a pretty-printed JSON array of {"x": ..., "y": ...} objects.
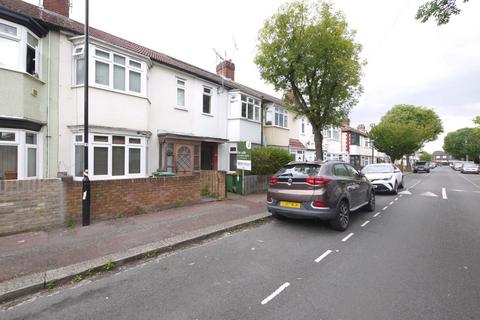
[
  {"x": 269, "y": 160},
  {"x": 51, "y": 285},
  {"x": 440, "y": 10},
  {"x": 205, "y": 192},
  {"x": 404, "y": 129},
  {"x": 307, "y": 51},
  {"x": 463, "y": 142},
  {"x": 77, "y": 278},
  {"x": 70, "y": 224},
  {"x": 109, "y": 265},
  {"x": 425, "y": 156},
  {"x": 476, "y": 120}
]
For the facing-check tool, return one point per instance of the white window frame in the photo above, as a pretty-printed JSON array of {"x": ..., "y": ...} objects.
[
  {"x": 280, "y": 113},
  {"x": 110, "y": 61},
  {"x": 109, "y": 145},
  {"x": 22, "y": 152},
  {"x": 210, "y": 95},
  {"x": 252, "y": 104},
  {"x": 183, "y": 87},
  {"x": 21, "y": 39}
]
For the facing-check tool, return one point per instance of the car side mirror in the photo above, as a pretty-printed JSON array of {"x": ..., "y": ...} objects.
[
  {"x": 397, "y": 170},
  {"x": 361, "y": 175}
]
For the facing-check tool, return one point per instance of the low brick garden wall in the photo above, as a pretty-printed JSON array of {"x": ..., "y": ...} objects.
[
  {"x": 36, "y": 204},
  {"x": 30, "y": 204}
]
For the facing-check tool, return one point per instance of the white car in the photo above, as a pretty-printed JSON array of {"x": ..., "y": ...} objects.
[{"x": 384, "y": 177}]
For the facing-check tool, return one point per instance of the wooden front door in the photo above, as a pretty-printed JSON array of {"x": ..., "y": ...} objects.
[{"x": 183, "y": 159}]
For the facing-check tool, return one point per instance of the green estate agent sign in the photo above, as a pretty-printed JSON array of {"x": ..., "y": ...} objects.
[{"x": 244, "y": 155}]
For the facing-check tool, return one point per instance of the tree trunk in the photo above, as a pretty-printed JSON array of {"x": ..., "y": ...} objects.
[
  {"x": 409, "y": 167},
  {"x": 318, "y": 136}
]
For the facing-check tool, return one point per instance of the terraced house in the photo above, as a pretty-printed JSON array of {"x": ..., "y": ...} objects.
[{"x": 148, "y": 111}]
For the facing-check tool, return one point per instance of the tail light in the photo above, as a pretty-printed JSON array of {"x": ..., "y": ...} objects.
[
  {"x": 319, "y": 204},
  {"x": 269, "y": 199},
  {"x": 273, "y": 180},
  {"x": 317, "y": 181}
]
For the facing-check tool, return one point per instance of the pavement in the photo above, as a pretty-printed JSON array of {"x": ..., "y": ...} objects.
[
  {"x": 415, "y": 257},
  {"x": 30, "y": 261}
]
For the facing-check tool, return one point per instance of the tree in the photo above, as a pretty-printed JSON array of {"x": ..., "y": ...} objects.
[
  {"x": 440, "y": 10},
  {"x": 404, "y": 129},
  {"x": 308, "y": 52},
  {"x": 476, "y": 120},
  {"x": 462, "y": 143},
  {"x": 425, "y": 156},
  {"x": 396, "y": 139},
  {"x": 419, "y": 116}
]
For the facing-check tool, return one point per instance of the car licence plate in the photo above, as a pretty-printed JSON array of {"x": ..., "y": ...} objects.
[{"x": 288, "y": 204}]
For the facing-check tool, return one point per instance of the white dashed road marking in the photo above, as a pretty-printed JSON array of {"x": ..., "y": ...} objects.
[
  {"x": 326, "y": 253},
  {"x": 275, "y": 293},
  {"x": 365, "y": 223},
  {"x": 396, "y": 199},
  {"x": 376, "y": 214},
  {"x": 444, "y": 193},
  {"x": 348, "y": 237},
  {"x": 385, "y": 208},
  {"x": 390, "y": 203}
]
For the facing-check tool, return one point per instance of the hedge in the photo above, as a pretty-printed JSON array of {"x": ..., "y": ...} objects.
[{"x": 266, "y": 161}]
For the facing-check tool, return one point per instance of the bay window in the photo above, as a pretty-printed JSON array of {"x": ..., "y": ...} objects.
[
  {"x": 250, "y": 108},
  {"x": 20, "y": 48},
  {"x": 112, "y": 156},
  {"x": 19, "y": 154},
  {"x": 112, "y": 71},
  {"x": 281, "y": 117}
]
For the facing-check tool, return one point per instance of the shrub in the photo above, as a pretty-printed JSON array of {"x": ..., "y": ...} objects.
[{"x": 269, "y": 160}]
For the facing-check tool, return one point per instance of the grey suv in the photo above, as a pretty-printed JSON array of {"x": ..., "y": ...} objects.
[{"x": 320, "y": 190}]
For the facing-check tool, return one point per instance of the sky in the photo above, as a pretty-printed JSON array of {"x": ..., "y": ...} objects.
[{"x": 407, "y": 61}]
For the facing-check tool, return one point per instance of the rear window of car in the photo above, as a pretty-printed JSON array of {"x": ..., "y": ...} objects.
[
  {"x": 299, "y": 170},
  {"x": 470, "y": 165},
  {"x": 421, "y": 163},
  {"x": 378, "y": 168}
]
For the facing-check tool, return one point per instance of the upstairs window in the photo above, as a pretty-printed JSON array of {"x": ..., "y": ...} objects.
[
  {"x": 354, "y": 139},
  {"x": 302, "y": 126},
  {"x": 207, "y": 100},
  {"x": 250, "y": 108},
  {"x": 281, "y": 117},
  {"x": 181, "y": 93},
  {"x": 19, "y": 48},
  {"x": 112, "y": 70}
]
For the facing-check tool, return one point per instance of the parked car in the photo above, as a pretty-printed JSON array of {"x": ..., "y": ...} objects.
[
  {"x": 458, "y": 166},
  {"x": 319, "y": 190},
  {"x": 470, "y": 168},
  {"x": 432, "y": 165},
  {"x": 421, "y": 166},
  {"x": 384, "y": 177}
]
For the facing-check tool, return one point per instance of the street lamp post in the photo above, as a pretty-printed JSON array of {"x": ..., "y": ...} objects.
[{"x": 86, "y": 180}]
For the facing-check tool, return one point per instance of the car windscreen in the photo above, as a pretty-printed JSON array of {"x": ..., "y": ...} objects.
[
  {"x": 377, "y": 168},
  {"x": 299, "y": 170},
  {"x": 421, "y": 163}
]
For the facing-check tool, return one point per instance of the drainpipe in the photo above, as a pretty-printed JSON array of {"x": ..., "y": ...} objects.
[
  {"x": 49, "y": 86},
  {"x": 261, "y": 120}
]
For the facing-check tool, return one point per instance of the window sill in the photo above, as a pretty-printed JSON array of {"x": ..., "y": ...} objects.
[
  {"x": 26, "y": 74},
  {"x": 181, "y": 108},
  {"x": 276, "y": 127},
  {"x": 207, "y": 114},
  {"x": 78, "y": 86}
]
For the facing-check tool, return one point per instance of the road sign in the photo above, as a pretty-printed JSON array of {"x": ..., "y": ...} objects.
[{"x": 244, "y": 155}]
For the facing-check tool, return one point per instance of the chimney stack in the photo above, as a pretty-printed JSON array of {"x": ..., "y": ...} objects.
[
  {"x": 361, "y": 127},
  {"x": 61, "y": 7},
  {"x": 226, "y": 69}
]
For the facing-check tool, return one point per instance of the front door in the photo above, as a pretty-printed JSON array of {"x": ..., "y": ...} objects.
[{"x": 183, "y": 159}]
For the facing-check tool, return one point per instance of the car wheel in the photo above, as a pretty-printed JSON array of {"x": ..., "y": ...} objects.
[
  {"x": 341, "y": 220},
  {"x": 370, "y": 206},
  {"x": 428, "y": 171},
  {"x": 401, "y": 184},
  {"x": 414, "y": 171},
  {"x": 395, "y": 188}
]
